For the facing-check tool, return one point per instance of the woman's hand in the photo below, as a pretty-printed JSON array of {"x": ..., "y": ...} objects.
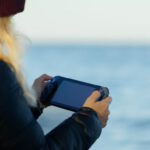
[
  {"x": 39, "y": 85},
  {"x": 101, "y": 107}
]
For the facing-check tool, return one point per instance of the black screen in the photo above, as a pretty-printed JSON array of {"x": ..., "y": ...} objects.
[{"x": 72, "y": 94}]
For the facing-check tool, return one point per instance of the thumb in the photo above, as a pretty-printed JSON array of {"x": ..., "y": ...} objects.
[{"x": 94, "y": 96}]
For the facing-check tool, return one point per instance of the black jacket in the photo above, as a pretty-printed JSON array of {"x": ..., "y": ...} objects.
[{"x": 19, "y": 129}]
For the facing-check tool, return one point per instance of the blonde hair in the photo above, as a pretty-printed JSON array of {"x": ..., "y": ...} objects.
[{"x": 10, "y": 52}]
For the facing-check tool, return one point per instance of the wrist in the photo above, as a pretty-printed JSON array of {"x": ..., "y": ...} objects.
[{"x": 89, "y": 110}]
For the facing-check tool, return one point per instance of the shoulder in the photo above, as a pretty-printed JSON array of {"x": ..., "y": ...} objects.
[
  {"x": 4, "y": 66},
  {"x": 6, "y": 73},
  {"x": 9, "y": 85}
]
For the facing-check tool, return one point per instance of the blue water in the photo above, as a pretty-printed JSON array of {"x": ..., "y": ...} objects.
[{"x": 124, "y": 69}]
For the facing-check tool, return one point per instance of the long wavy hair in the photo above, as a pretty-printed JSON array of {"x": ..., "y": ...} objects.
[{"x": 10, "y": 52}]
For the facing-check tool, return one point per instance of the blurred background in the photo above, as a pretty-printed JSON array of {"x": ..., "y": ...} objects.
[{"x": 101, "y": 42}]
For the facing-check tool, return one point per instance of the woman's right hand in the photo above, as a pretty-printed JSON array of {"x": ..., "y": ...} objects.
[
  {"x": 100, "y": 107},
  {"x": 38, "y": 86}
]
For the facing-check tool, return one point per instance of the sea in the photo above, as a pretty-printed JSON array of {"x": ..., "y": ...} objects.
[{"x": 124, "y": 69}]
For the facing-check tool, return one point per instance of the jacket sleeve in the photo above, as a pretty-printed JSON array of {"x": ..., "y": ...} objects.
[
  {"x": 18, "y": 128},
  {"x": 79, "y": 132},
  {"x": 36, "y": 111}
]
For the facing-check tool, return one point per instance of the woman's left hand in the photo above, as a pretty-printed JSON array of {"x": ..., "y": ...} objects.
[{"x": 39, "y": 84}]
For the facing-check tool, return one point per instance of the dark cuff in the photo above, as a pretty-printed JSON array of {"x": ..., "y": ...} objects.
[
  {"x": 90, "y": 123},
  {"x": 88, "y": 111},
  {"x": 36, "y": 111}
]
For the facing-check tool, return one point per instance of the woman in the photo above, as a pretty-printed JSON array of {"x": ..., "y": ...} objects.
[{"x": 19, "y": 129}]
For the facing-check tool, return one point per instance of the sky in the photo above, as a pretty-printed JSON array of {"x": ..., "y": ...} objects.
[{"x": 86, "y": 21}]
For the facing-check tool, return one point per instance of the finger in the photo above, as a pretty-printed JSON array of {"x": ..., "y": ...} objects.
[
  {"x": 45, "y": 77},
  {"x": 104, "y": 123},
  {"x": 94, "y": 96},
  {"x": 105, "y": 120},
  {"x": 107, "y": 100},
  {"x": 107, "y": 113}
]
